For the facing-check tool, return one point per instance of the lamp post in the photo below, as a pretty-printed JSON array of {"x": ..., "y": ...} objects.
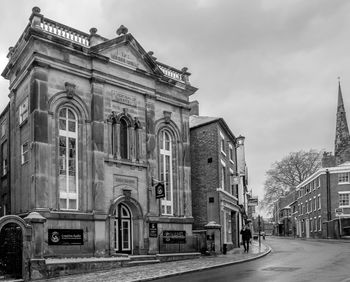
[{"x": 259, "y": 225}]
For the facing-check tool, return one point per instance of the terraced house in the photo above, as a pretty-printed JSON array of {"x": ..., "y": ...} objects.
[{"x": 92, "y": 127}]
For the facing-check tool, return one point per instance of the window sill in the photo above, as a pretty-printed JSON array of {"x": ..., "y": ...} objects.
[
  {"x": 125, "y": 162},
  {"x": 23, "y": 122},
  {"x": 343, "y": 183}
]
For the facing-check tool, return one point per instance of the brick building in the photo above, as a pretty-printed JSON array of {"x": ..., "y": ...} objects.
[
  {"x": 215, "y": 181},
  {"x": 323, "y": 203},
  {"x": 284, "y": 215},
  {"x": 91, "y": 124}
]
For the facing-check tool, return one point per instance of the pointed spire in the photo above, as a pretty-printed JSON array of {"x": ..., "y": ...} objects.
[
  {"x": 342, "y": 136},
  {"x": 340, "y": 96}
]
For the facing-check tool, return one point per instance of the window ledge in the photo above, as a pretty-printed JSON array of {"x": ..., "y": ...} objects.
[
  {"x": 23, "y": 122},
  {"x": 126, "y": 162},
  {"x": 343, "y": 183}
]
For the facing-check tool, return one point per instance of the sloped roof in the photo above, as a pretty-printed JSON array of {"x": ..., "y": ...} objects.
[{"x": 201, "y": 120}]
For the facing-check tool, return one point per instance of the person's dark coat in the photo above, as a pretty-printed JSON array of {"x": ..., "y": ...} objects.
[{"x": 246, "y": 234}]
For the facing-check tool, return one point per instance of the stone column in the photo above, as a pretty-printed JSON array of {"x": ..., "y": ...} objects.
[
  {"x": 213, "y": 237},
  {"x": 37, "y": 268}
]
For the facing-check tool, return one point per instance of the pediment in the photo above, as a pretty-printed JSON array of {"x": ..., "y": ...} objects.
[{"x": 125, "y": 54}]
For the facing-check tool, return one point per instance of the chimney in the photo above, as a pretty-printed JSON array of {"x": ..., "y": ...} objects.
[{"x": 194, "y": 105}]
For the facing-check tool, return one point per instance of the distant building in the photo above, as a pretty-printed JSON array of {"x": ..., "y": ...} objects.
[
  {"x": 284, "y": 221},
  {"x": 323, "y": 199},
  {"x": 215, "y": 181}
]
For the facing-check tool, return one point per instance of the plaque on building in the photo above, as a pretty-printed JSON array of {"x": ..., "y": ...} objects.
[
  {"x": 160, "y": 190},
  {"x": 174, "y": 237},
  {"x": 153, "y": 229},
  {"x": 66, "y": 237}
]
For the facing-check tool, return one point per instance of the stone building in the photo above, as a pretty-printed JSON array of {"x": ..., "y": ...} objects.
[
  {"x": 215, "y": 182},
  {"x": 93, "y": 124}
]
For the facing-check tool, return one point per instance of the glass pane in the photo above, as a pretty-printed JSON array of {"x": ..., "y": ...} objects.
[
  {"x": 161, "y": 141},
  {"x": 62, "y": 183},
  {"x": 71, "y": 115},
  {"x": 72, "y": 204},
  {"x": 63, "y": 204},
  {"x": 123, "y": 139},
  {"x": 62, "y": 124},
  {"x": 125, "y": 212},
  {"x": 163, "y": 209},
  {"x": 63, "y": 113},
  {"x": 62, "y": 165},
  {"x": 71, "y": 126},
  {"x": 168, "y": 209},
  {"x": 62, "y": 142},
  {"x": 167, "y": 141},
  {"x": 72, "y": 184},
  {"x": 71, "y": 167},
  {"x": 125, "y": 234}
]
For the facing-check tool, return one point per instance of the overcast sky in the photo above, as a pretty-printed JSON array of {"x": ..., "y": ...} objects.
[{"x": 269, "y": 68}]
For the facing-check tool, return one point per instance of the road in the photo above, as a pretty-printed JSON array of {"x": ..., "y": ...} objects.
[{"x": 289, "y": 260}]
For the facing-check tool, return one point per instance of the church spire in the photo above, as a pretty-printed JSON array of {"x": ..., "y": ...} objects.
[{"x": 342, "y": 136}]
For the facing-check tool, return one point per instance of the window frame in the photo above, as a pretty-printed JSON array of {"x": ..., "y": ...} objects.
[
  {"x": 343, "y": 178},
  {"x": 24, "y": 153},
  {"x": 342, "y": 193},
  {"x": 24, "y": 110},
  {"x": 67, "y": 195},
  {"x": 168, "y": 183}
]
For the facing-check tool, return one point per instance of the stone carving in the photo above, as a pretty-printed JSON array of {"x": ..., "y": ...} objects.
[
  {"x": 167, "y": 116},
  {"x": 122, "y": 30},
  {"x": 70, "y": 89}
]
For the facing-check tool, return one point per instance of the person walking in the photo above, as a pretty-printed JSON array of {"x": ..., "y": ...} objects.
[{"x": 246, "y": 237}]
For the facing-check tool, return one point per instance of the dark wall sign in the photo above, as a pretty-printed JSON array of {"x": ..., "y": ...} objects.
[
  {"x": 153, "y": 229},
  {"x": 66, "y": 236},
  {"x": 174, "y": 236},
  {"x": 160, "y": 191}
]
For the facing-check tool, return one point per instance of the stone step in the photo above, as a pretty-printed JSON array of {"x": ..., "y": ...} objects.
[
  {"x": 142, "y": 257},
  {"x": 142, "y": 262}
]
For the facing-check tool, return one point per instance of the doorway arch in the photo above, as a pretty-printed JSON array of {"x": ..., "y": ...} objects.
[
  {"x": 126, "y": 226},
  {"x": 15, "y": 236}
]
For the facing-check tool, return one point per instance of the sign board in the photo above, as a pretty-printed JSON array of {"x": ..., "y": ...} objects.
[
  {"x": 66, "y": 237},
  {"x": 339, "y": 211},
  {"x": 160, "y": 190},
  {"x": 153, "y": 229},
  {"x": 174, "y": 237}
]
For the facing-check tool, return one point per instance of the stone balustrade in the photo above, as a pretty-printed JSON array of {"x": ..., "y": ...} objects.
[
  {"x": 65, "y": 32},
  {"x": 172, "y": 73}
]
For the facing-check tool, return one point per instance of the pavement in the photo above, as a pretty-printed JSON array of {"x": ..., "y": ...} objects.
[{"x": 166, "y": 269}]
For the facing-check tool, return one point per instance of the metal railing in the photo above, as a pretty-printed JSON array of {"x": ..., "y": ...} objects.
[{"x": 186, "y": 244}]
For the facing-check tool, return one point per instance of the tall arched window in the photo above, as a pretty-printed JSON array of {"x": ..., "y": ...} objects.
[
  {"x": 68, "y": 159},
  {"x": 124, "y": 146},
  {"x": 166, "y": 171}
]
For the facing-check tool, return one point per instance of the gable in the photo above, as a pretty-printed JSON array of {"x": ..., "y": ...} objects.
[{"x": 127, "y": 55}]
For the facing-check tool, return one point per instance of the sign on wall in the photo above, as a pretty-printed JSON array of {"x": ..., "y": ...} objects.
[
  {"x": 153, "y": 229},
  {"x": 160, "y": 191},
  {"x": 174, "y": 236},
  {"x": 66, "y": 237}
]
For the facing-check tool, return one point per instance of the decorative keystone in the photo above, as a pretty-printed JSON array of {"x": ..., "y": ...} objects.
[{"x": 122, "y": 30}]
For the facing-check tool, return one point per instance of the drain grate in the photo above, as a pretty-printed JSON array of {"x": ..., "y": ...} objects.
[{"x": 280, "y": 268}]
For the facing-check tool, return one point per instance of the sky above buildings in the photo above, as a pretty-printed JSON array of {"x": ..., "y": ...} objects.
[{"x": 269, "y": 68}]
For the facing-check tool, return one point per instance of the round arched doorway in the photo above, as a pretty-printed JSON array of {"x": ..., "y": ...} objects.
[
  {"x": 11, "y": 250},
  {"x": 122, "y": 229}
]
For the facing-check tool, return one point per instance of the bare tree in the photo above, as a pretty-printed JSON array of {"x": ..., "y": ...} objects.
[{"x": 285, "y": 175}]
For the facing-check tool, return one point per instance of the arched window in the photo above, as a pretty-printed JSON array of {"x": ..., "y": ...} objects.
[
  {"x": 166, "y": 171},
  {"x": 124, "y": 146},
  {"x": 68, "y": 159}
]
